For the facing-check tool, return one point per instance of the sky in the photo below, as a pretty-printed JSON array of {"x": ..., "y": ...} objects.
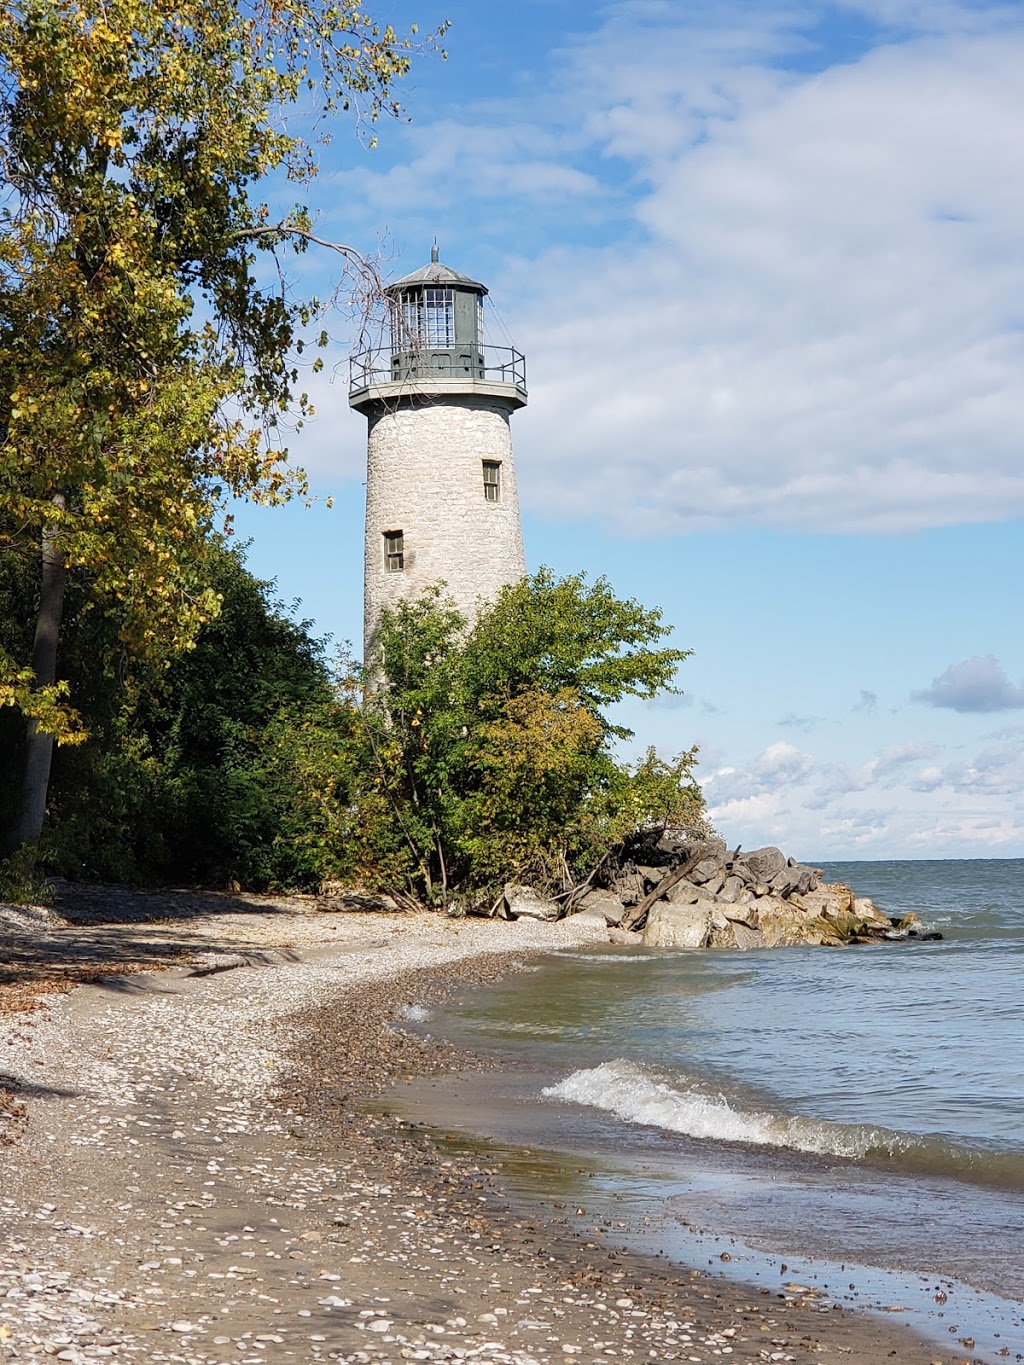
[{"x": 766, "y": 263}]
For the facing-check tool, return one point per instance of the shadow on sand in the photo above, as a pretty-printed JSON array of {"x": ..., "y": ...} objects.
[{"x": 110, "y": 933}]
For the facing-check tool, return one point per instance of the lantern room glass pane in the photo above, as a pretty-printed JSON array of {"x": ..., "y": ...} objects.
[{"x": 428, "y": 317}]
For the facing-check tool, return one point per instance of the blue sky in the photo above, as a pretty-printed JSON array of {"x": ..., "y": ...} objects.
[{"x": 766, "y": 265}]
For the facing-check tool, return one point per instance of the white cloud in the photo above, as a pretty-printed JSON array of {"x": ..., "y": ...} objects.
[
  {"x": 823, "y": 327},
  {"x": 977, "y": 684},
  {"x": 995, "y": 770},
  {"x": 804, "y": 304},
  {"x": 897, "y": 802},
  {"x": 777, "y": 767}
]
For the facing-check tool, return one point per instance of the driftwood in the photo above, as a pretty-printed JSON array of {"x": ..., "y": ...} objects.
[
  {"x": 214, "y": 968},
  {"x": 576, "y": 893},
  {"x": 633, "y": 917}
]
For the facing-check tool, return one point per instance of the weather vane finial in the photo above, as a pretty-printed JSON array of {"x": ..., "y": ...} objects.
[{"x": 433, "y": 251}]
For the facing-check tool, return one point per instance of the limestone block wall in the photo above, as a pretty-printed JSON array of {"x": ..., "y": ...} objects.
[{"x": 425, "y": 478}]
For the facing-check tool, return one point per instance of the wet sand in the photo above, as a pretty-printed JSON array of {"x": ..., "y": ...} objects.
[{"x": 205, "y": 1173}]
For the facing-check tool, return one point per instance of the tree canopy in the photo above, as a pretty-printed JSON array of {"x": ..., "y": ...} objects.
[
  {"x": 250, "y": 758},
  {"x": 491, "y": 746},
  {"x": 148, "y": 359}
]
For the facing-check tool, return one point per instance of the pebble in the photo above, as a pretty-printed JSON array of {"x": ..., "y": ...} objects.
[{"x": 177, "y": 1210}]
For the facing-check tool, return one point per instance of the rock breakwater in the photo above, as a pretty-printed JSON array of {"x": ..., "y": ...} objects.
[{"x": 681, "y": 893}]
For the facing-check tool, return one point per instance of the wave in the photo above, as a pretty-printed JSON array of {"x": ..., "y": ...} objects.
[
  {"x": 636, "y": 1095},
  {"x": 416, "y": 1014},
  {"x": 616, "y": 959}
]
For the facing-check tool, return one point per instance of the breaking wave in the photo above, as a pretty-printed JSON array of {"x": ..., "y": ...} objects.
[{"x": 636, "y": 1095}]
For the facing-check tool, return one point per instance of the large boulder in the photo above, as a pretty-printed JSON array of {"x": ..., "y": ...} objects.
[
  {"x": 604, "y": 903},
  {"x": 741, "y": 912},
  {"x": 763, "y": 863},
  {"x": 707, "y": 869},
  {"x": 746, "y": 937},
  {"x": 685, "y": 893},
  {"x": 678, "y": 926},
  {"x": 526, "y": 901},
  {"x": 794, "y": 877},
  {"x": 786, "y": 925},
  {"x": 731, "y": 889},
  {"x": 865, "y": 909},
  {"x": 833, "y": 901},
  {"x": 590, "y": 917}
]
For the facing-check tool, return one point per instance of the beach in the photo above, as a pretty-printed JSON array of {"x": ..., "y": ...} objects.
[{"x": 205, "y": 1171}]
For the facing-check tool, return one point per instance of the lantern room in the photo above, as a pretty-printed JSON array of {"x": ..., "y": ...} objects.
[{"x": 436, "y": 343}]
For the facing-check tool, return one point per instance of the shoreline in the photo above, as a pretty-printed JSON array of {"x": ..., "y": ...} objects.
[{"x": 203, "y": 1171}]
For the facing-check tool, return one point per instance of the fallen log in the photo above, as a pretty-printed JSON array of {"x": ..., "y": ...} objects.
[{"x": 633, "y": 918}]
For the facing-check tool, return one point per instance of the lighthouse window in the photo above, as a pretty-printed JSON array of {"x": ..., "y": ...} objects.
[
  {"x": 429, "y": 317},
  {"x": 492, "y": 480},
  {"x": 394, "y": 551}
]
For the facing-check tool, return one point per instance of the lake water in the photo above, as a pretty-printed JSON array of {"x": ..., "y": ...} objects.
[{"x": 859, "y": 1111}]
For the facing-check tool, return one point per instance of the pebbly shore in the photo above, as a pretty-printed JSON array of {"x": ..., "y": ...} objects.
[{"x": 201, "y": 1175}]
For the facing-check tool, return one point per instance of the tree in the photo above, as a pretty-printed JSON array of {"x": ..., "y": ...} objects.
[
  {"x": 488, "y": 749},
  {"x": 203, "y": 771},
  {"x": 146, "y": 371},
  {"x": 172, "y": 785}
]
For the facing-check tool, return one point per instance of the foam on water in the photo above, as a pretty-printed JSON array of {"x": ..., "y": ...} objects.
[
  {"x": 635, "y": 1095},
  {"x": 416, "y": 1014}
]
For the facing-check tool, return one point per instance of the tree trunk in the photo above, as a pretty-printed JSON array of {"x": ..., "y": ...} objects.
[{"x": 28, "y": 824}]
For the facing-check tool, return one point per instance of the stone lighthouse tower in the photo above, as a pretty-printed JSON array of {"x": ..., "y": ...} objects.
[{"x": 441, "y": 500}]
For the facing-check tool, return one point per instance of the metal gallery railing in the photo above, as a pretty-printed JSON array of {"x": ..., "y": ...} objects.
[{"x": 388, "y": 365}]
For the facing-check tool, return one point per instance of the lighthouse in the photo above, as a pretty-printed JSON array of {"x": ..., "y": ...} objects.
[{"x": 441, "y": 499}]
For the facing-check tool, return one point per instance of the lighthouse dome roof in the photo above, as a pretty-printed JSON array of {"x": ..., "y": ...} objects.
[{"x": 436, "y": 273}]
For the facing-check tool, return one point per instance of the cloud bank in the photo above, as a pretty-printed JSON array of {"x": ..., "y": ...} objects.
[
  {"x": 915, "y": 798},
  {"x": 757, "y": 283}
]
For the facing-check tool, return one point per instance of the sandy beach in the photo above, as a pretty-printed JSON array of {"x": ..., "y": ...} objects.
[{"x": 201, "y": 1175}]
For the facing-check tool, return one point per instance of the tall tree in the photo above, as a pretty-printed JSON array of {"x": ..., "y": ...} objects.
[
  {"x": 145, "y": 368},
  {"x": 489, "y": 750}
]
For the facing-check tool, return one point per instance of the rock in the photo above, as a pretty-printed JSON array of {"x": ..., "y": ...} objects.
[
  {"x": 593, "y": 916},
  {"x": 793, "y": 877},
  {"x": 525, "y": 900},
  {"x": 628, "y": 886},
  {"x": 731, "y": 889},
  {"x": 606, "y": 904},
  {"x": 814, "y": 903},
  {"x": 864, "y": 908},
  {"x": 621, "y": 936},
  {"x": 747, "y": 938},
  {"x": 651, "y": 875},
  {"x": 705, "y": 870},
  {"x": 911, "y": 921},
  {"x": 763, "y": 863},
  {"x": 684, "y": 893},
  {"x": 786, "y": 925},
  {"x": 743, "y": 914},
  {"x": 842, "y": 893},
  {"x": 677, "y": 926},
  {"x": 722, "y": 933}
]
